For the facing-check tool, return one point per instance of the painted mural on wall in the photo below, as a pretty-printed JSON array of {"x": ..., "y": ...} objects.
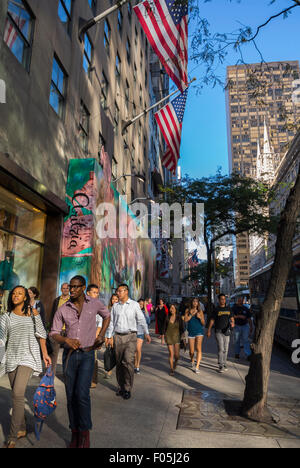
[{"x": 104, "y": 261}]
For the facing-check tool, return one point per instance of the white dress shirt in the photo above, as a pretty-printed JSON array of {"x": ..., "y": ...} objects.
[{"x": 126, "y": 318}]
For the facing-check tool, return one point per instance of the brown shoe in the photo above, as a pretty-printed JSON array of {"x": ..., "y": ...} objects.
[
  {"x": 21, "y": 434},
  {"x": 84, "y": 439},
  {"x": 93, "y": 385},
  {"x": 75, "y": 439}
]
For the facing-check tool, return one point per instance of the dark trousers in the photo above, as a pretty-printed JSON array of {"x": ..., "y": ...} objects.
[
  {"x": 125, "y": 348},
  {"x": 78, "y": 372}
]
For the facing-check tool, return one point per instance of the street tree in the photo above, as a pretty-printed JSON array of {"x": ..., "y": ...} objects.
[{"x": 233, "y": 204}]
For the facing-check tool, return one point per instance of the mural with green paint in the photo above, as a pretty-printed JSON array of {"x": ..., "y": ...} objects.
[{"x": 104, "y": 261}]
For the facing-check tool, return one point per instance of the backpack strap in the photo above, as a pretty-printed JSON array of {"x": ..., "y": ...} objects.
[{"x": 38, "y": 429}]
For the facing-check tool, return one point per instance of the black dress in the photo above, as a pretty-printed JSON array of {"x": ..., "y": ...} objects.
[{"x": 160, "y": 315}]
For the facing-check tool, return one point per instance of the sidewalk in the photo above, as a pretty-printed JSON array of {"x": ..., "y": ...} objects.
[{"x": 185, "y": 411}]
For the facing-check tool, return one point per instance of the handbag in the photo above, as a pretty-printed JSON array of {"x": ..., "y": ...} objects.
[{"x": 109, "y": 359}]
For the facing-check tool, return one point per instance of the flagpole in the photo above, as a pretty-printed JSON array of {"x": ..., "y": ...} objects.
[
  {"x": 84, "y": 25},
  {"x": 134, "y": 119}
]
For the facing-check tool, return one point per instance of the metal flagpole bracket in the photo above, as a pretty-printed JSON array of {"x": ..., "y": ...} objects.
[
  {"x": 85, "y": 25},
  {"x": 127, "y": 123}
]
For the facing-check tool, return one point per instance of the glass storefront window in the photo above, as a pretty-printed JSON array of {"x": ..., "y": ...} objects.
[{"x": 22, "y": 232}]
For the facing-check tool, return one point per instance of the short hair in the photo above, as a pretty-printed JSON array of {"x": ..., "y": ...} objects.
[
  {"x": 141, "y": 299},
  {"x": 123, "y": 286},
  {"x": 92, "y": 286},
  {"x": 35, "y": 291},
  {"x": 221, "y": 295},
  {"x": 79, "y": 278}
]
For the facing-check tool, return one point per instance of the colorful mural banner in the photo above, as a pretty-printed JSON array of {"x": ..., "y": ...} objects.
[{"x": 108, "y": 261}]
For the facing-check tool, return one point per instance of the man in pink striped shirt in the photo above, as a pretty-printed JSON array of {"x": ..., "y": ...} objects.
[{"x": 79, "y": 317}]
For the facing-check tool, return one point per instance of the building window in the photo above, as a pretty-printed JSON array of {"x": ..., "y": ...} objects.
[
  {"x": 129, "y": 11},
  {"x": 120, "y": 21},
  {"x": 118, "y": 68},
  {"x": 18, "y": 31},
  {"x": 116, "y": 118},
  {"x": 128, "y": 50},
  {"x": 65, "y": 13},
  {"x": 114, "y": 168},
  {"x": 22, "y": 236},
  {"x": 84, "y": 126},
  {"x": 87, "y": 55},
  {"x": 58, "y": 88},
  {"x": 104, "y": 91},
  {"x": 93, "y": 6},
  {"x": 101, "y": 145},
  {"x": 127, "y": 95},
  {"x": 134, "y": 73},
  {"x": 107, "y": 35}
]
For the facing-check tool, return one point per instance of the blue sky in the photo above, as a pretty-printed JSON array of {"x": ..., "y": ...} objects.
[{"x": 204, "y": 136}]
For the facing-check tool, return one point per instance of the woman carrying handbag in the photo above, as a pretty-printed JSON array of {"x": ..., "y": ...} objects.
[{"x": 23, "y": 333}]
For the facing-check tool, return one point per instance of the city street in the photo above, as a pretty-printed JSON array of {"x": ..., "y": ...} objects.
[{"x": 185, "y": 411}]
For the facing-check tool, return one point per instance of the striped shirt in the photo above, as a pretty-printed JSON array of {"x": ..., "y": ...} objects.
[{"x": 23, "y": 348}]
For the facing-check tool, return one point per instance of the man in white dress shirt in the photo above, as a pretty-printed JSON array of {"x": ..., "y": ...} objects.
[{"x": 126, "y": 316}]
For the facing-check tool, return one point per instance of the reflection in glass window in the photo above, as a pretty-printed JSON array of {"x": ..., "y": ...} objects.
[
  {"x": 65, "y": 13},
  {"x": 18, "y": 31},
  {"x": 22, "y": 232},
  {"x": 87, "y": 54},
  {"x": 58, "y": 87}
]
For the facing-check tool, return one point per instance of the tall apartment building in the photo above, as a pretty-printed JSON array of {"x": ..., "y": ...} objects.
[
  {"x": 65, "y": 99},
  {"x": 262, "y": 111}
]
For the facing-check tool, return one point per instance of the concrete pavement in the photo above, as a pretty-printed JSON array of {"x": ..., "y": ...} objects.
[{"x": 150, "y": 418}]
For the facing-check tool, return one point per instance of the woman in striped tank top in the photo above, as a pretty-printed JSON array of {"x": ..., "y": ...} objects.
[{"x": 22, "y": 332}]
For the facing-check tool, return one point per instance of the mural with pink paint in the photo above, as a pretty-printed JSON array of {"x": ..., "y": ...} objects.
[{"x": 104, "y": 261}]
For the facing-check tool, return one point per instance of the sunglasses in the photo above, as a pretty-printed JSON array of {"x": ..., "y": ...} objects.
[{"x": 75, "y": 286}]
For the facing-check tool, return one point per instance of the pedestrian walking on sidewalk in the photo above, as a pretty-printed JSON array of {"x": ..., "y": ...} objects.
[
  {"x": 195, "y": 321},
  {"x": 35, "y": 303},
  {"x": 174, "y": 332},
  {"x": 93, "y": 291},
  {"x": 113, "y": 300},
  {"x": 148, "y": 308},
  {"x": 79, "y": 315},
  {"x": 139, "y": 340},
  {"x": 243, "y": 328},
  {"x": 126, "y": 319},
  {"x": 161, "y": 312},
  {"x": 58, "y": 302},
  {"x": 224, "y": 323},
  {"x": 23, "y": 333}
]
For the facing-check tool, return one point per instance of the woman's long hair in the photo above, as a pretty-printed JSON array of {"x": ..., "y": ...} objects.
[
  {"x": 11, "y": 305},
  {"x": 191, "y": 304},
  {"x": 110, "y": 304}
]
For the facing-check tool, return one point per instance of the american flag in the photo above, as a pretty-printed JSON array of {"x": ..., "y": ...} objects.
[
  {"x": 193, "y": 260},
  {"x": 165, "y": 23},
  {"x": 169, "y": 120},
  {"x": 10, "y": 32}
]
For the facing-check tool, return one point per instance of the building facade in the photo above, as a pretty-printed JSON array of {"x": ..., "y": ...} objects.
[
  {"x": 67, "y": 99},
  {"x": 262, "y": 111}
]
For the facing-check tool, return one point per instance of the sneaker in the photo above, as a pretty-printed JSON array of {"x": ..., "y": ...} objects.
[
  {"x": 197, "y": 371},
  {"x": 225, "y": 368},
  {"x": 193, "y": 366},
  {"x": 137, "y": 370},
  {"x": 221, "y": 370}
]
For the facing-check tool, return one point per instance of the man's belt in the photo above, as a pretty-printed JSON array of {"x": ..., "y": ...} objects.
[{"x": 127, "y": 333}]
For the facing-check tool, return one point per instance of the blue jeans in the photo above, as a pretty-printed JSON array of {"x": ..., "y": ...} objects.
[
  {"x": 241, "y": 337},
  {"x": 78, "y": 379}
]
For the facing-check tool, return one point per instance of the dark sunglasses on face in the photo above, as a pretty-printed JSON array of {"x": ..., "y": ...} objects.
[{"x": 75, "y": 286}]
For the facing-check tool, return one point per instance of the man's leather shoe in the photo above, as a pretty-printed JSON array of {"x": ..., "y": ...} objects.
[
  {"x": 126, "y": 395},
  {"x": 120, "y": 393}
]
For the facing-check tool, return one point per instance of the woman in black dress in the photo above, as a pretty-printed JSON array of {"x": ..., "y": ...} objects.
[{"x": 161, "y": 313}]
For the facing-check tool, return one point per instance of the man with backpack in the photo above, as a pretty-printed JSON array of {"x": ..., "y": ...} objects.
[{"x": 79, "y": 316}]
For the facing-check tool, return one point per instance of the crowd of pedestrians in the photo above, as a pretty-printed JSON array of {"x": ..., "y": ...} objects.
[{"x": 81, "y": 323}]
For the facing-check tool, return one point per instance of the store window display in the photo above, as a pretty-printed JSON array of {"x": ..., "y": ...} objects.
[{"x": 22, "y": 232}]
